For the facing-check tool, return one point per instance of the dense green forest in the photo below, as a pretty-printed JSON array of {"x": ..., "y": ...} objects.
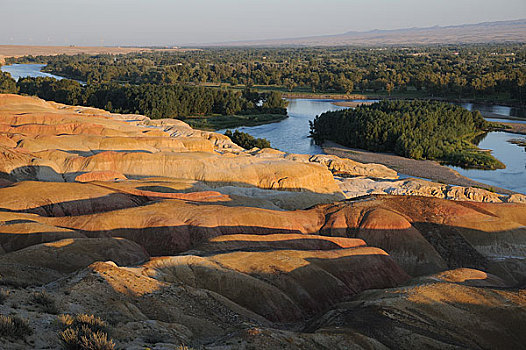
[
  {"x": 157, "y": 101},
  {"x": 486, "y": 72},
  {"x": 416, "y": 129}
]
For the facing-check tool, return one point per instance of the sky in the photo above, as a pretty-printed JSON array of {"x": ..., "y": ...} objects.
[{"x": 182, "y": 22}]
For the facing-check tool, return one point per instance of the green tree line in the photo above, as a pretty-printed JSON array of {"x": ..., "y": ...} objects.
[
  {"x": 463, "y": 71},
  {"x": 156, "y": 101}
]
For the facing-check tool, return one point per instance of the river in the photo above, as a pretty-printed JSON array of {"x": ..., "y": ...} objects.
[
  {"x": 18, "y": 71},
  {"x": 291, "y": 134},
  {"x": 513, "y": 156}
]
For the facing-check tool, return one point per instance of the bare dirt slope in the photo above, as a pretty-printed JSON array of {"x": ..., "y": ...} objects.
[
  {"x": 487, "y": 32},
  {"x": 117, "y": 231}
]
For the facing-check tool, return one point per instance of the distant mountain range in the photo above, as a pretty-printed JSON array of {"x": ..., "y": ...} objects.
[{"x": 487, "y": 32}]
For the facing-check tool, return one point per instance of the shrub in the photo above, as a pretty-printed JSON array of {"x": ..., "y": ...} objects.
[
  {"x": 46, "y": 302},
  {"x": 7, "y": 84},
  {"x": 85, "y": 338},
  {"x": 4, "y": 294},
  {"x": 14, "y": 327},
  {"x": 78, "y": 321},
  {"x": 84, "y": 332},
  {"x": 247, "y": 141}
]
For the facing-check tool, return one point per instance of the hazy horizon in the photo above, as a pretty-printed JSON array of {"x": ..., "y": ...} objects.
[{"x": 178, "y": 22}]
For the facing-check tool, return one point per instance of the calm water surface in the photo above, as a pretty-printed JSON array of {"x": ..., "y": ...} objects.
[
  {"x": 495, "y": 110},
  {"x": 291, "y": 134},
  {"x": 513, "y": 156}
]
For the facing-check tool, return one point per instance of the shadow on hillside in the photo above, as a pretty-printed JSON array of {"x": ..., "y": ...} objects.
[
  {"x": 451, "y": 318},
  {"x": 439, "y": 246},
  {"x": 286, "y": 286},
  {"x": 110, "y": 202},
  {"x": 284, "y": 281}
]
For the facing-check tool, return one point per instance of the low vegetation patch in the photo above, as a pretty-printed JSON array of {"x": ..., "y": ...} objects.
[
  {"x": 85, "y": 339},
  {"x": 14, "y": 327},
  {"x": 232, "y": 121},
  {"x": 84, "y": 332},
  {"x": 414, "y": 129},
  {"x": 77, "y": 321},
  {"x": 247, "y": 141},
  {"x": 4, "y": 294},
  {"x": 45, "y": 301}
]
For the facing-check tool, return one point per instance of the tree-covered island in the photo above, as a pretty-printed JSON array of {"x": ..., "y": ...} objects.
[{"x": 414, "y": 129}]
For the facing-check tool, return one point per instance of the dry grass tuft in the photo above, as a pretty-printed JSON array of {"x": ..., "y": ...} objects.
[
  {"x": 84, "y": 332},
  {"x": 46, "y": 302},
  {"x": 77, "y": 321},
  {"x": 4, "y": 294},
  {"x": 14, "y": 327}
]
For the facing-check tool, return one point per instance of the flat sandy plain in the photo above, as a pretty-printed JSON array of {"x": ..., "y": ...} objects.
[{"x": 24, "y": 50}]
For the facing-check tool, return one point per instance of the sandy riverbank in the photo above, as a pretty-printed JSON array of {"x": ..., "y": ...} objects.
[
  {"x": 419, "y": 168},
  {"x": 516, "y": 128},
  {"x": 373, "y": 96},
  {"x": 352, "y": 104},
  {"x": 327, "y": 96}
]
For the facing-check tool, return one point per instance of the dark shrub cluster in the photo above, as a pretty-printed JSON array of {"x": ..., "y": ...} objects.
[
  {"x": 247, "y": 141},
  {"x": 45, "y": 301},
  {"x": 4, "y": 294},
  {"x": 14, "y": 327}
]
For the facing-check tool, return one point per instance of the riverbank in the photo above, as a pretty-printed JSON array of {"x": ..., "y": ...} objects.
[
  {"x": 419, "y": 168},
  {"x": 398, "y": 96},
  {"x": 324, "y": 96},
  {"x": 515, "y": 128},
  {"x": 352, "y": 104}
]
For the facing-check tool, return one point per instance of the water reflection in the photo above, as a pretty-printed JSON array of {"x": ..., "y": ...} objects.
[
  {"x": 478, "y": 139},
  {"x": 498, "y": 110}
]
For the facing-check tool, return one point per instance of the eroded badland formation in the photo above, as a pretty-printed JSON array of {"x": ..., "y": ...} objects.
[{"x": 177, "y": 236}]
